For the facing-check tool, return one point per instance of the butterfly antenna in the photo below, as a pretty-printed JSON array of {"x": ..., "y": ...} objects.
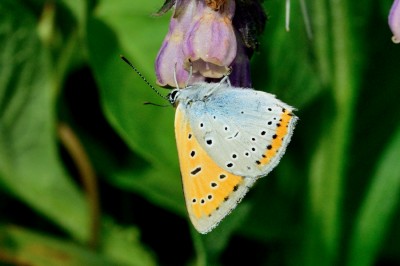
[
  {"x": 142, "y": 77},
  {"x": 155, "y": 104}
]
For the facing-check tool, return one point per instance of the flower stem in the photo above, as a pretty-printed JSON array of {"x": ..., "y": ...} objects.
[{"x": 88, "y": 177}]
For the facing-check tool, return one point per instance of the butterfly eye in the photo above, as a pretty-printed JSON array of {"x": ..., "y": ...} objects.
[{"x": 172, "y": 96}]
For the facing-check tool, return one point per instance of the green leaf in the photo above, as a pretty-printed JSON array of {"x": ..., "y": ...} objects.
[
  {"x": 19, "y": 246},
  {"x": 338, "y": 52},
  {"x": 380, "y": 204},
  {"x": 123, "y": 27},
  {"x": 287, "y": 56},
  {"x": 210, "y": 246},
  {"x": 29, "y": 163},
  {"x": 123, "y": 246},
  {"x": 78, "y": 10},
  {"x": 157, "y": 185}
]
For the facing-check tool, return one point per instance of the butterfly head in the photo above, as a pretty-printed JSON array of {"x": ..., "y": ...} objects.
[{"x": 173, "y": 95}]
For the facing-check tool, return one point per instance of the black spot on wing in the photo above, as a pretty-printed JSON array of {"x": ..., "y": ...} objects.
[{"x": 195, "y": 171}]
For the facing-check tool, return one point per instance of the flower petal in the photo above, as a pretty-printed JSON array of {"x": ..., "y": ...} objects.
[
  {"x": 219, "y": 49},
  {"x": 170, "y": 58},
  {"x": 394, "y": 21}
]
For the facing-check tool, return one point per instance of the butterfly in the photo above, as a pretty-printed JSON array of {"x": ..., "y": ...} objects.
[{"x": 227, "y": 137}]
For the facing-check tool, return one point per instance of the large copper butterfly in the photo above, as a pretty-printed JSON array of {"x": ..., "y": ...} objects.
[{"x": 227, "y": 137}]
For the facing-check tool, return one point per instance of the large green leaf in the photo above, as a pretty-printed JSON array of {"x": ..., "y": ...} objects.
[
  {"x": 29, "y": 164},
  {"x": 379, "y": 206},
  {"x": 285, "y": 64},
  {"x": 153, "y": 185},
  {"x": 123, "y": 27},
  {"x": 78, "y": 10},
  {"x": 122, "y": 245},
  {"x": 209, "y": 247},
  {"x": 19, "y": 246}
]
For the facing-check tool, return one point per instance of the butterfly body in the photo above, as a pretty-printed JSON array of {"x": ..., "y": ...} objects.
[{"x": 227, "y": 138}]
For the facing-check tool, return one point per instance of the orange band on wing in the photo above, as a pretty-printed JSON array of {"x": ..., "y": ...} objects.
[{"x": 277, "y": 138}]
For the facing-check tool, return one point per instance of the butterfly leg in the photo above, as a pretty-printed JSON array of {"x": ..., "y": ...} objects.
[{"x": 226, "y": 77}]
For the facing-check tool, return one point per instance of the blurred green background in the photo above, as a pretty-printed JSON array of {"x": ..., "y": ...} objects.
[{"x": 89, "y": 175}]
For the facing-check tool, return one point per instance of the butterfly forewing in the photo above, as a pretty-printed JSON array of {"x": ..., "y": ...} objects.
[
  {"x": 211, "y": 192},
  {"x": 244, "y": 131}
]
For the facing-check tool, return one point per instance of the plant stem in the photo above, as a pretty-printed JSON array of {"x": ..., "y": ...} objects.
[
  {"x": 88, "y": 177},
  {"x": 328, "y": 166}
]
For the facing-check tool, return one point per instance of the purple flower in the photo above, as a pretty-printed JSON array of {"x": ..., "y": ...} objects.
[
  {"x": 210, "y": 43},
  {"x": 209, "y": 38},
  {"x": 170, "y": 58},
  {"x": 394, "y": 21}
]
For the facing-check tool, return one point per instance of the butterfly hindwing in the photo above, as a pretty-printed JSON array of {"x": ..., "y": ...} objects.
[
  {"x": 211, "y": 192},
  {"x": 244, "y": 131}
]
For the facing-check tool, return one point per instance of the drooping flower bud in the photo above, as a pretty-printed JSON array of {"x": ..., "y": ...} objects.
[
  {"x": 170, "y": 58},
  {"x": 210, "y": 43},
  {"x": 203, "y": 37},
  {"x": 394, "y": 21}
]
